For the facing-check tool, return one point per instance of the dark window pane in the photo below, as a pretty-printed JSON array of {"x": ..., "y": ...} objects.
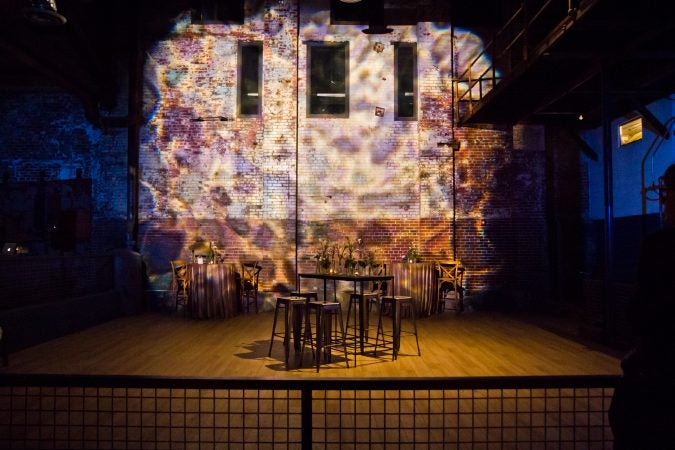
[
  {"x": 249, "y": 79},
  {"x": 328, "y": 79},
  {"x": 405, "y": 81}
]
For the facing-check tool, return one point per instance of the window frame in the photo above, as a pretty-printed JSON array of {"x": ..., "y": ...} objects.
[
  {"x": 309, "y": 90},
  {"x": 624, "y": 127},
  {"x": 397, "y": 46},
  {"x": 240, "y": 77}
]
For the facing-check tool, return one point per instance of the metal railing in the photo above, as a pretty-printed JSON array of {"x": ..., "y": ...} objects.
[
  {"x": 534, "y": 26},
  {"x": 62, "y": 411}
]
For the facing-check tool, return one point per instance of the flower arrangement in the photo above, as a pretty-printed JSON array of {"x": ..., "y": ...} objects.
[
  {"x": 370, "y": 261},
  {"x": 322, "y": 256},
  {"x": 412, "y": 255},
  {"x": 330, "y": 257},
  {"x": 340, "y": 253},
  {"x": 203, "y": 251},
  {"x": 350, "y": 261}
]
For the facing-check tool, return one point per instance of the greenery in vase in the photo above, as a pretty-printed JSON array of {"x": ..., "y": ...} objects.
[
  {"x": 350, "y": 262},
  {"x": 203, "y": 249},
  {"x": 412, "y": 255},
  {"x": 341, "y": 256},
  {"x": 370, "y": 260},
  {"x": 323, "y": 255}
]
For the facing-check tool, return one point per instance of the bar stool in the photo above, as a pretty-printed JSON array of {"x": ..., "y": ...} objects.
[
  {"x": 293, "y": 308},
  {"x": 327, "y": 318},
  {"x": 361, "y": 305},
  {"x": 309, "y": 295},
  {"x": 396, "y": 302}
]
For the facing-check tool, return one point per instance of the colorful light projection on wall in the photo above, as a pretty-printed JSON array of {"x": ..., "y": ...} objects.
[{"x": 239, "y": 176}]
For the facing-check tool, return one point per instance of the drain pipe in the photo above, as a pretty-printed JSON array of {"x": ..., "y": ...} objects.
[
  {"x": 297, "y": 142},
  {"x": 609, "y": 203}
]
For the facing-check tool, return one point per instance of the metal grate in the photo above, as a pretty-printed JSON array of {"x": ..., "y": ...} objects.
[{"x": 169, "y": 413}]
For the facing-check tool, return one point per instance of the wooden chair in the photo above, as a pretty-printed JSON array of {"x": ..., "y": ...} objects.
[
  {"x": 180, "y": 284},
  {"x": 450, "y": 278},
  {"x": 379, "y": 288},
  {"x": 250, "y": 274}
]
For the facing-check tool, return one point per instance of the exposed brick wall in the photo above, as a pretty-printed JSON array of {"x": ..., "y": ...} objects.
[
  {"x": 45, "y": 132},
  {"x": 234, "y": 183}
]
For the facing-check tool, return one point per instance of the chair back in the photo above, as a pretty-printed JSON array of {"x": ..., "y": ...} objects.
[
  {"x": 379, "y": 286},
  {"x": 250, "y": 274},
  {"x": 180, "y": 283},
  {"x": 448, "y": 269},
  {"x": 450, "y": 280},
  {"x": 449, "y": 272},
  {"x": 179, "y": 274}
]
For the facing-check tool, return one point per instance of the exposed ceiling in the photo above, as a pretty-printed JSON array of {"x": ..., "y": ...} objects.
[
  {"x": 632, "y": 42},
  {"x": 88, "y": 55},
  {"x": 616, "y": 50}
]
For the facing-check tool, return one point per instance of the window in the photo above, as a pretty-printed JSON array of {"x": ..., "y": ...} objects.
[
  {"x": 250, "y": 68},
  {"x": 328, "y": 90},
  {"x": 630, "y": 131},
  {"x": 405, "y": 70}
]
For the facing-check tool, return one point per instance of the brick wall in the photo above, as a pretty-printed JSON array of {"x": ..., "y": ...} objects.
[
  {"x": 388, "y": 182},
  {"x": 44, "y": 132}
]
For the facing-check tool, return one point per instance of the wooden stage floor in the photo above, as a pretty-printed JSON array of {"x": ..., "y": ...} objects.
[{"x": 157, "y": 344}]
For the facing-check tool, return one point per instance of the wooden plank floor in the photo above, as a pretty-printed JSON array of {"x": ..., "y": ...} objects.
[{"x": 471, "y": 344}]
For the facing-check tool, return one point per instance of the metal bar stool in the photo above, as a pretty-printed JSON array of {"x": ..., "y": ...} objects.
[
  {"x": 357, "y": 302},
  {"x": 293, "y": 308},
  {"x": 327, "y": 318},
  {"x": 396, "y": 302},
  {"x": 309, "y": 295}
]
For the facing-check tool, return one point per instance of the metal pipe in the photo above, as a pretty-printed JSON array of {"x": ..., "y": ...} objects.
[
  {"x": 297, "y": 139},
  {"x": 609, "y": 201},
  {"x": 452, "y": 125}
]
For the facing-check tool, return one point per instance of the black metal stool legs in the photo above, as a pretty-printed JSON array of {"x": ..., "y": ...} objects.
[{"x": 396, "y": 302}]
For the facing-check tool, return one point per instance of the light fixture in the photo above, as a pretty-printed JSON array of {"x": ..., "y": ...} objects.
[
  {"x": 630, "y": 131},
  {"x": 376, "y": 23},
  {"x": 350, "y": 1},
  {"x": 455, "y": 145},
  {"x": 43, "y": 12}
]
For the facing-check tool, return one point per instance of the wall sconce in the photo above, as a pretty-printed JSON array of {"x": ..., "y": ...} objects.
[
  {"x": 43, "y": 12},
  {"x": 379, "y": 112},
  {"x": 454, "y": 144},
  {"x": 378, "y": 47}
]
